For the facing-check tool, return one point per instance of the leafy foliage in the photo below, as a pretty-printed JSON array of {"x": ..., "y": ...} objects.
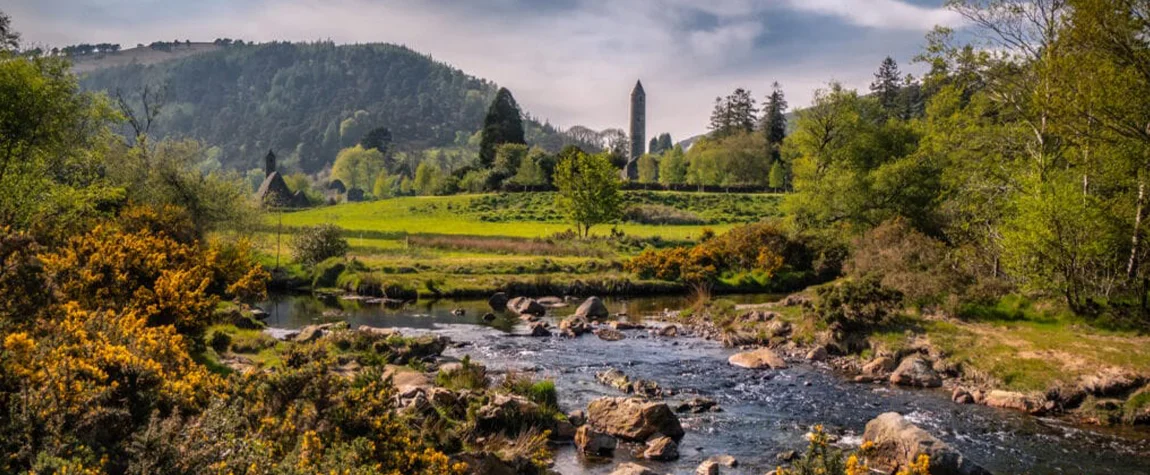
[
  {"x": 318, "y": 243},
  {"x": 857, "y": 304},
  {"x": 588, "y": 190}
]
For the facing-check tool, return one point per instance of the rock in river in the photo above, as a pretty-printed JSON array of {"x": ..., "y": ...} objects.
[
  {"x": 917, "y": 372},
  {"x": 498, "y": 301},
  {"x": 662, "y": 448},
  {"x": 610, "y": 335},
  {"x": 1013, "y": 400},
  {"x": 539, "y": 329},
  {"x": 632, "y": 469},
  {"x": 898, "y": 443},
  {"x": 593, "y": 442},
  {"x": 760, "y": 358},
  {"x": 592, "y": 308},
  {"x": 633, "y": 419},
  {"x": 526, "y": 306}
]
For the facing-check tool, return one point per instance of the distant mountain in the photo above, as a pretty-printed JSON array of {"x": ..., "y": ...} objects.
[{"x": 305, "y": 101}]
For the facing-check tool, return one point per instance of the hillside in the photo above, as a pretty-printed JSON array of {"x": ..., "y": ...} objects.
[
  {"x": 142, "y": 55},
  {"x": 305, "y": 101}
]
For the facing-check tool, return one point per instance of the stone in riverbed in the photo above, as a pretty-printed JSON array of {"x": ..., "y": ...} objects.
[
  {"x": 879, "y": 366},
  {"x": 1013, "y": 400},
  {"x": 632, "y": 469},
  {"x": 898, "y": 443},
  {"x": 592, "y": 308},
  {"x": 624, "y": 325},
  {"x": 524, "y": 306},
  {"x": 489, "y": 317},
  {"x": 708, "y": 467},
  {"x": 661, "y": 448},
  {"x": 817, "y": 354},
  {"x": 917, "y": 372},
  {"x": 539, "y": 329},
  {"x": 760, "y": 358},
  {"x": 593, "y": 442},
  {"x": 498, "y": 301},
  {"x": 574, "y": 326},
  {"x": 962, "y": 396},
  {"x": 608, "y": 334},
  {"x": 697, "y": 405},
  {"x": 633, "y": 419},
  {"x": 668, "y": 331},
  {"x": 724, "y": 460}
]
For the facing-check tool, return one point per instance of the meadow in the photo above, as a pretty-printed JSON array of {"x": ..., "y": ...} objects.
[{"x": 469, "y": 245}]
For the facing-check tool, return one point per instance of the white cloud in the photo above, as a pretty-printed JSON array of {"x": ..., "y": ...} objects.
[
  {"x": 887, "y": 14},
  {"x": 573, "y": 66}
]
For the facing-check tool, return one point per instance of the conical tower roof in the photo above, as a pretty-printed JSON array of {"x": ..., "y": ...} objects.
[{"x": 638, "y": 88}]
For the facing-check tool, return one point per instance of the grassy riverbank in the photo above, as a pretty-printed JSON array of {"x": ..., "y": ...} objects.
[
  {"x": 472, "y": 245},
  {"x": 1054, "y": 361}
]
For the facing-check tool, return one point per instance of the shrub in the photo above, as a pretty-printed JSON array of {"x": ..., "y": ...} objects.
[
  {"x": 857, "y": 304},
  {"x": 315, "y": 244},
  {"x": 908, "y": 261},
  {"x": 660, "y": 214},
  {"x": 467, "y": 376},
  {"x": 220, "y": 341}
]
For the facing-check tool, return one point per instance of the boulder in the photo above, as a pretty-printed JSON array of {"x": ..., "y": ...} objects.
[
  {"x": 633, "y": 419},
  {"x": 384, "y": 332},
  {"x": 898, "y": 443},
  {"x": 485, "y": 463},
  {"x": 539, "y": 329},
  {"x": 552, "y": 302},
  {"x": 1013, "y": 400},
  {"x": 916, "y": 372},
  {"x": 403, "y": 377},
  {"x": 498, "y": 414},
  {"x": 593, "y": 442},
  {"x": 608, "y": 334},
  {"x": 592, "y": 308},
  {"x": 564, "y": 430},
  {"x": 614, "y": 378},
  {"x": 757, "y": 316},
  {"x": 498, "y": 301},
  {"x": 662, "y": 448},
  {"x": 724, "y": 460},
  {"x": 668, "y": 331},
  {"x": 879, "y": 366},
  {"x": 632, "y": 469},
  {"x": 817, "y": 354},
  {"x": 524, "y": 306},
  {"x": 962, "y": 396},
  {"x": 697, "y": 405},
  {"x": 577, "y": 417},
  {"x": 259, "y": 313},
  {"x": 489, "y": 317},
  {"x": 708, "y": 467},
  {"x": 760, "y": 358},
  {"x": 574, "y": 326},
  {"x": 459, "y": 312}
]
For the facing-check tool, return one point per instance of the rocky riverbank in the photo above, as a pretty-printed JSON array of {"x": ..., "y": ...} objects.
[{"x": 774, "y": 333}]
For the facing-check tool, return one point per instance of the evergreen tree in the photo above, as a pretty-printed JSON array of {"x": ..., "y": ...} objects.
[
  {"x": 733, "y": 113},
  {"x": 665, "y": 142},
  {"x": 378, "y": 138},
  {"x": 775, "y": 121},
  {"x": 653, "y": 145},
  {"x": 911, "y": 101},
  {"x": 503, "y": 124},
  {"x": 886, "y": 87}
]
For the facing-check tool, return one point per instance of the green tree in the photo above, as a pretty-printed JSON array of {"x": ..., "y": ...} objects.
[
  {"x": 384, "y": 186},
  {"x": 886, "y": 87},
  {"x": 508, "y": 158},
  {"x": 673, "y": 167},
  {"x": 352, "y": 129},
  {"x": 734, "y": 113},
  {"x": 378, "y": 138},
  {"x": 665, "y": 142},
  {"x": 9, "y": 38},
  {"x": 358, "y": 167},
  {"x": 529, "y": 173},
  {"x": 648, "y": 168},
  {"x": 588, "y": 190},
  {"x": 774, "y": 123},
  {"x": 503, "y": 124},
  {"x": 428, "y": 178},
  {"x": 778, "y": 179}
]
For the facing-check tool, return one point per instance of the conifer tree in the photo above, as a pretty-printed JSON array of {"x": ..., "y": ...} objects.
[
  {"x": 775, "y": 121},
  {"x": 503, "y": 124},
  {"x": 886, "y": 87}
]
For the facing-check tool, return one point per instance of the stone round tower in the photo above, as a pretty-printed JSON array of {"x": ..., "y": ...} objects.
[{"x": 638, "y": 129}]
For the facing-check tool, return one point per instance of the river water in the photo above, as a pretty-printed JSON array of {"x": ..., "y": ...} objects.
[{"x": 764, "y": 412}]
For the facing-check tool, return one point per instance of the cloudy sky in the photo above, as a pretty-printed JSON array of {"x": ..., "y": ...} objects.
[{"x": 569, "y": 61}]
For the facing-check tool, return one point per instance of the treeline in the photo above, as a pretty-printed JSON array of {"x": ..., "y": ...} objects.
[
  {"x": 309, "y": 101},
  {"x": 1023, "y": 170}
]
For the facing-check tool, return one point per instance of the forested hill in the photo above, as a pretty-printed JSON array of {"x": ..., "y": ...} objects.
[{"x": 305, "y": 101}]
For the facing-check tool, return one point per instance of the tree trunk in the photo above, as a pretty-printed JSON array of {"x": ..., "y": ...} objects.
[{"x": 1135, "y": 242}]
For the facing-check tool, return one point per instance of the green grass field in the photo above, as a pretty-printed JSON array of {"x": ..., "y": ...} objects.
[{"x": 473, "y": 242}]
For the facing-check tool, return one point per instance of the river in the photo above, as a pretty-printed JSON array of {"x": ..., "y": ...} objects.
[{"x": 764, "y": 412}]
